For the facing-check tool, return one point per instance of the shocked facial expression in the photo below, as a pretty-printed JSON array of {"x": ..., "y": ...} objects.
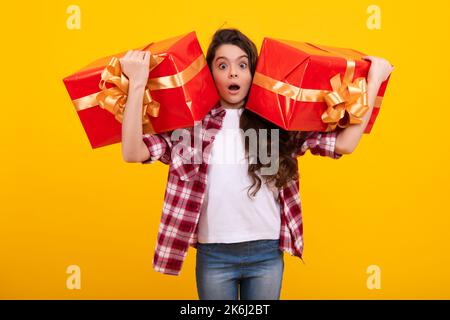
[{"x": 231, "y": 73}]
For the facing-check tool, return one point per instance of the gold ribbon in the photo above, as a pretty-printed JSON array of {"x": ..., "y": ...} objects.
[
  {"x": 113, "y": 97},
  {"x": 347, "y": 101}
]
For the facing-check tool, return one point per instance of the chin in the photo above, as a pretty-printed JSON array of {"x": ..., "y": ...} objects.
[{"x": 233, "y": 100}]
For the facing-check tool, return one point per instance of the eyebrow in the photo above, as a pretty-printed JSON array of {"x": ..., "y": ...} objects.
[{"x": 243, "y": 56}]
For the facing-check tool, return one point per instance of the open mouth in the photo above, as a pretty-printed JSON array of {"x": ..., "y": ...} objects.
[{"x": 234, "y": 88}]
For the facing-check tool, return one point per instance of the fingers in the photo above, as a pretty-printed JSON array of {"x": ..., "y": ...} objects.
[
  {"x": 380, "y": 62},
  {"x": 127, "y": 55},
  {"x": 147, "y": 58},
  {"x": 136, "y": 55},
  {"x": 370, "y": 58},
  {"x": 133, "y": 55},
  {"x": 141, "y": 55}
]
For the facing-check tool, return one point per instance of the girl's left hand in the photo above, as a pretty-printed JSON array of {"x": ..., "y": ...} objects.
[{"x": 380, "y": 69}]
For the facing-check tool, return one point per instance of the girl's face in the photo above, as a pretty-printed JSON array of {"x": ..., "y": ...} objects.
[{"x": 231, "y": 73}]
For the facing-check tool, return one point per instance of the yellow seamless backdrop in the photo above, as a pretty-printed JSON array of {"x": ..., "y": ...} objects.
[{"x": 62, "y": 204}]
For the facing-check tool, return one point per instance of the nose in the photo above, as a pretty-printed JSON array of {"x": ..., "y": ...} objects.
[{"x": 233, "y": 73}]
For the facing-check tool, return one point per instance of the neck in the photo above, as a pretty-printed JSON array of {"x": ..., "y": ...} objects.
[{"x": 228, "y": 105}]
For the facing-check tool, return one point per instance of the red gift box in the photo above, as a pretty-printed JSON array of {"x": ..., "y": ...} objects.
[
  {"x": 308, "y": 87},
  {"x": 180, "y": 91}
]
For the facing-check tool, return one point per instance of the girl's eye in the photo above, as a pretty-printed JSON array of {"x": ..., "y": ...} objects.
[
  {"x": 220, "y": 65},
  {"x": 244, "y": 64}
]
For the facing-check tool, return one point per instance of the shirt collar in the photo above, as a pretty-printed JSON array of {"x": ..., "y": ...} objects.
[{"x": 217, "y": 109}]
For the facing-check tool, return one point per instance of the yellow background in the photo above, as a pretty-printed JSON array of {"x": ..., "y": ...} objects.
[{"x": 64, "y": 204}]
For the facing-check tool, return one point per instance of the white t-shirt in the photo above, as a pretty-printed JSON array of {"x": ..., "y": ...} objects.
[{"x": 228, "y": 215}]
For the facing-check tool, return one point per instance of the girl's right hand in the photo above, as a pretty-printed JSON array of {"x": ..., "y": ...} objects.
[{"x": 135, "y": 65}]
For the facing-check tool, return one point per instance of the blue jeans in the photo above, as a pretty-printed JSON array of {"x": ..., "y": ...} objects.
[{"x": 255, "y": 267}]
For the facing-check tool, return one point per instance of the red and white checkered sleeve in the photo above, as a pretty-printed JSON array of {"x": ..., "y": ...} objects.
[
  {"x": 159, "y": 145},
  {"x": 320, "y": 144}
]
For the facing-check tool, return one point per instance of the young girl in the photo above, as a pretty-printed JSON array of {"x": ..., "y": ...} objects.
[{"x": 240, "y": 222}]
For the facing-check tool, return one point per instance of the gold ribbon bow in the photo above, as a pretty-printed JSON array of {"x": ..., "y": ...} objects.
[
  {"x": 114, "y": 89},
  {"x": 113, "y": 98},
  {"x": 347, "y": 102}
]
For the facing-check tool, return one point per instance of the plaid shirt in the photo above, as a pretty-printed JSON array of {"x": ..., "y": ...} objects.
[{"x": 186, "y": 189}]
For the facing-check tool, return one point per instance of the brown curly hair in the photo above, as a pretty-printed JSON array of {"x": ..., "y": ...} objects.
[{"x": 288, "y": 140}]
